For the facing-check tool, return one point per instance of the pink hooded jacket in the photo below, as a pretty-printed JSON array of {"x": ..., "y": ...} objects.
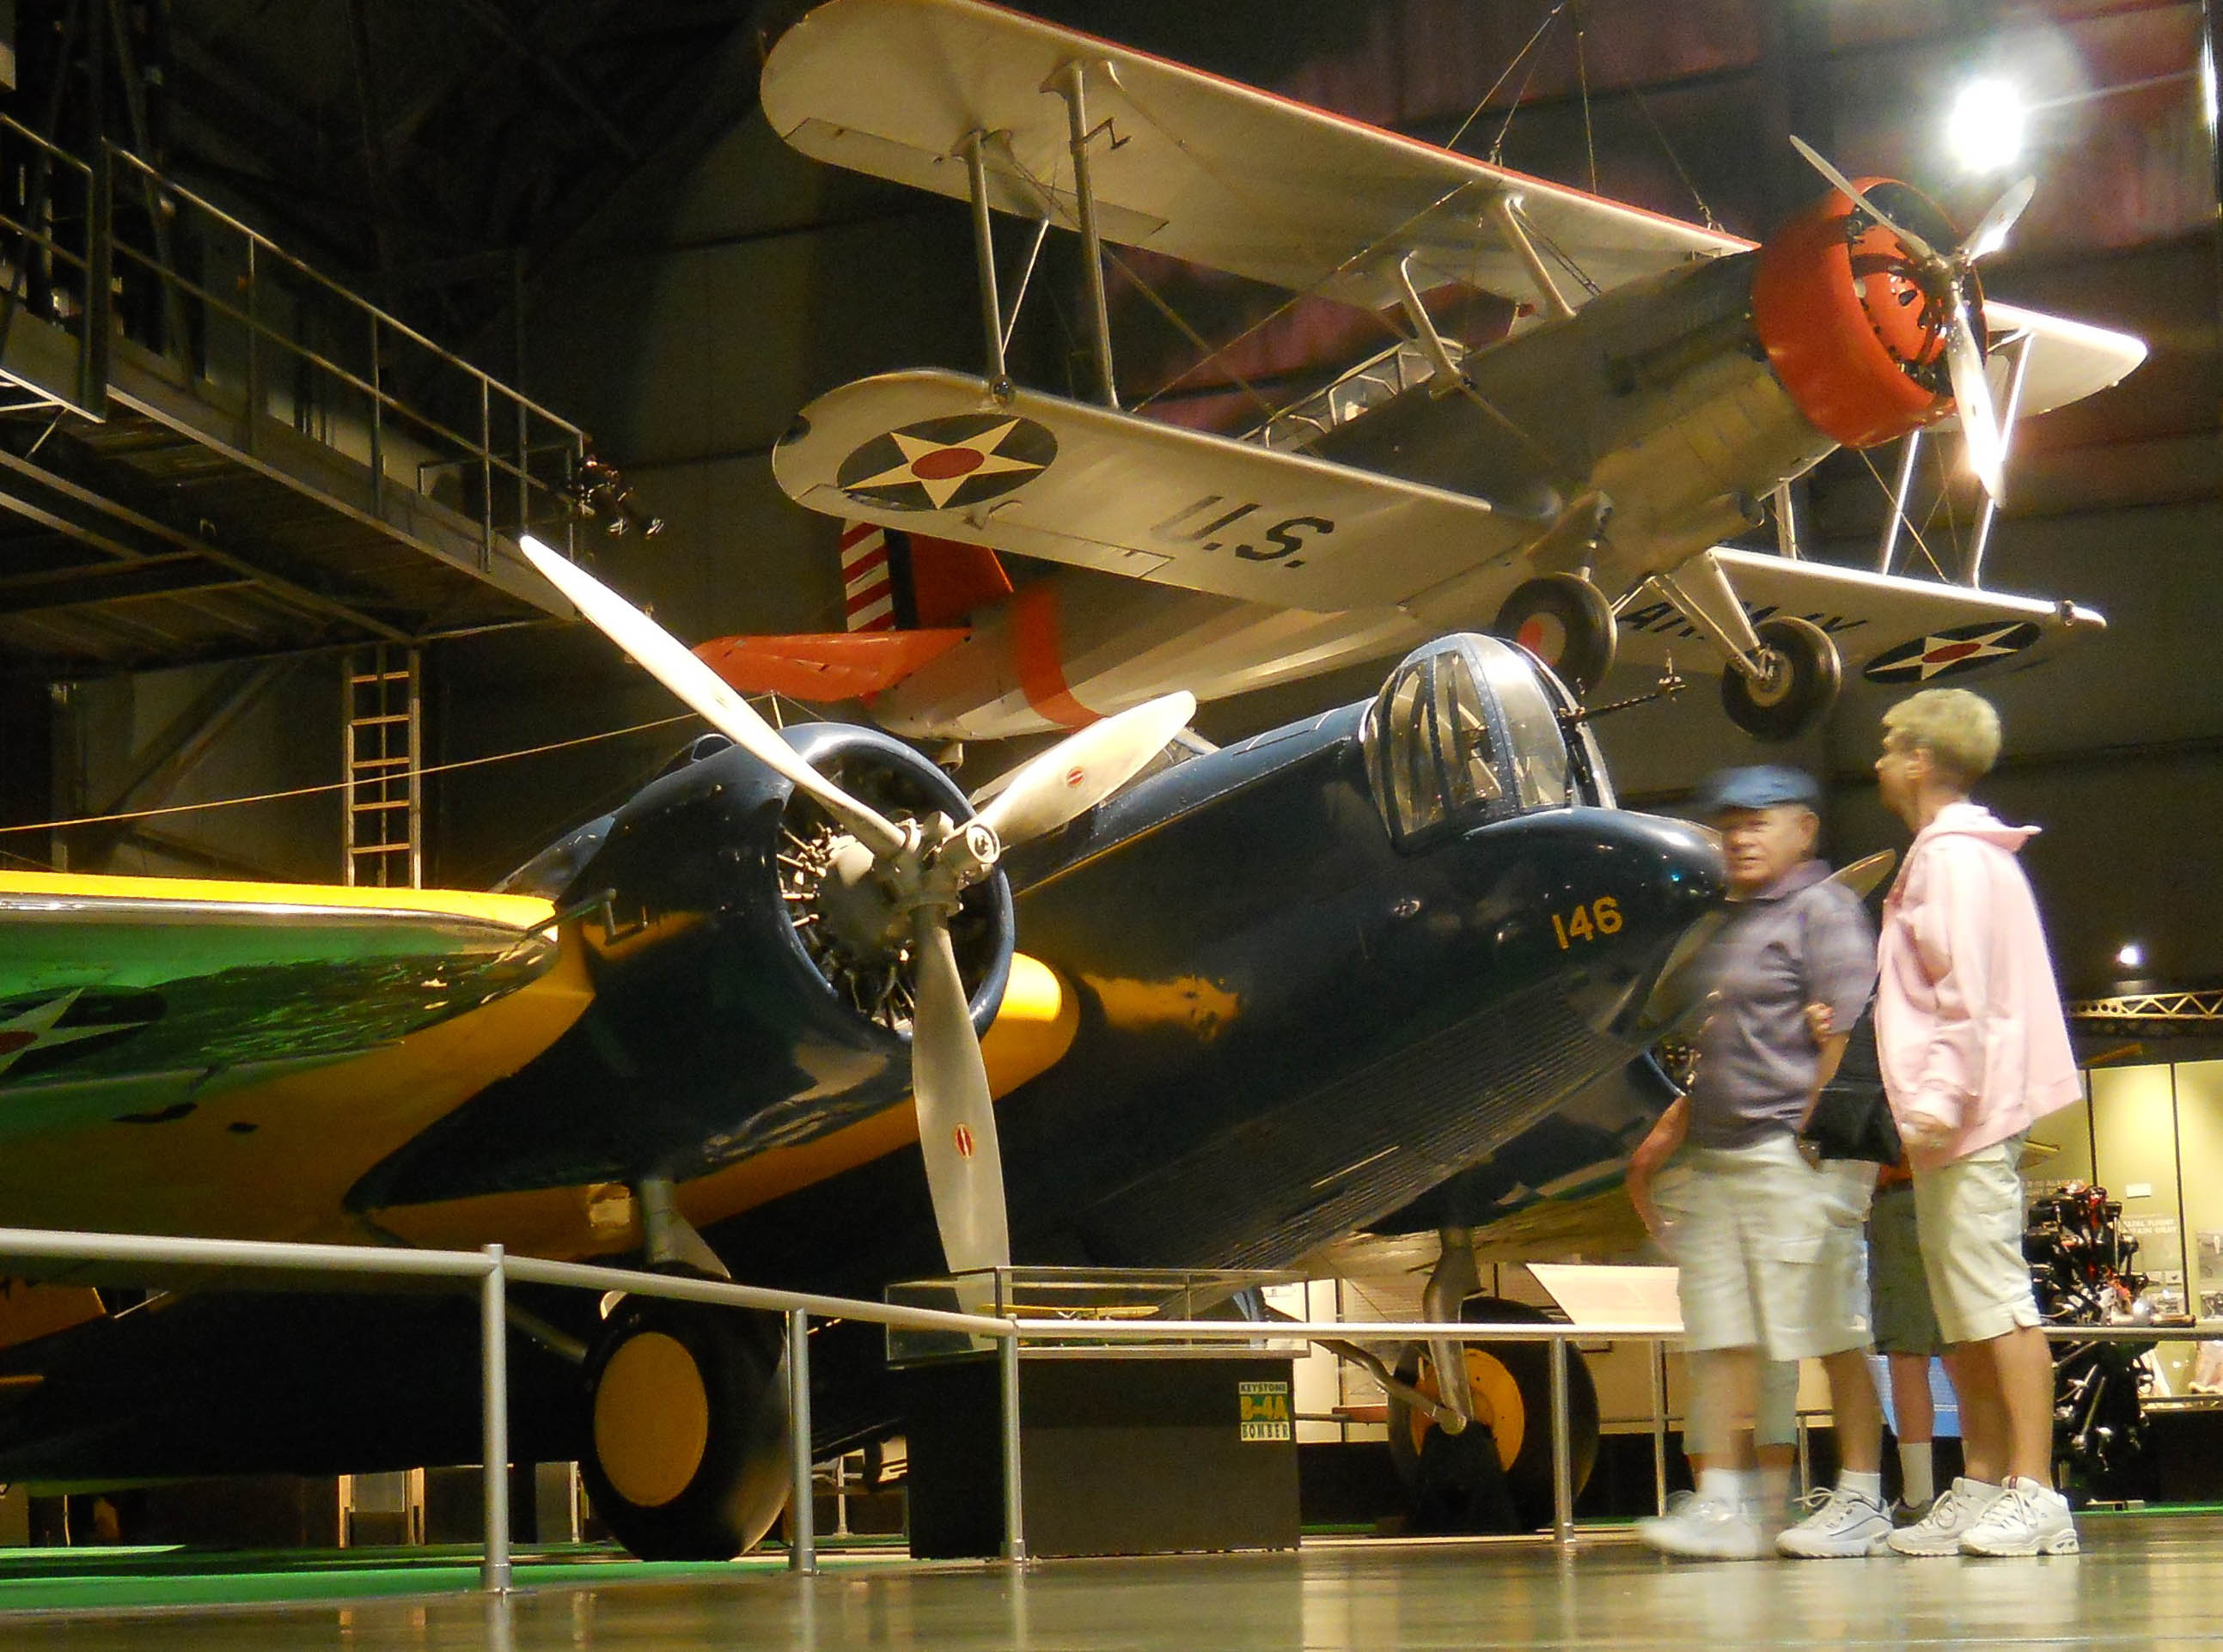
[{"x": 1969, "y": 1030}]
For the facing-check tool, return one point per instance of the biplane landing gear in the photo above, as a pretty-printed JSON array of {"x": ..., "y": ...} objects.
[
  {"x": 1800, "y": 677},
  {"x": 1495, "y": 1476},
  {"x": 689, "y": 1413},
  {"x": 1566, "y": 623}
]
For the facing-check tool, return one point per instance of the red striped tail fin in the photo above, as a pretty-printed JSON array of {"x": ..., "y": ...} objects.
[
  {"x": 894, "y": 581},
  {"x": 868, "y": 587}
]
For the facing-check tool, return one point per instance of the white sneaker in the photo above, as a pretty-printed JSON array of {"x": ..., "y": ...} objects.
[
  {"x": 1704, "y": 1528},
  {"x": 1958, "y": 1507},
  {"x": 1845, "y": 1524},
  {"x": 2028, "y": 1519}
]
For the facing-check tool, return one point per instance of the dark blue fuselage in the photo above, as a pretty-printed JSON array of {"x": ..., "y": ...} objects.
[{"x": 1289, "y": 1026}]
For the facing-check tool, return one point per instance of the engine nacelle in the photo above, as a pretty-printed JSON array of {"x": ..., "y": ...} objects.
[
  {"x": 1853, "y": 326},
  {"x": 722, "y": 1025}
]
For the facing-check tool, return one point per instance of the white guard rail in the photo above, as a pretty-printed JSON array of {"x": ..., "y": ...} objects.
[{"x": 491, "y": 1268}]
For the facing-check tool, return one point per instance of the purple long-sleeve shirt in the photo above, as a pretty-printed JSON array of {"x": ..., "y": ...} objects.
[{"x": 1802, "y": 941}]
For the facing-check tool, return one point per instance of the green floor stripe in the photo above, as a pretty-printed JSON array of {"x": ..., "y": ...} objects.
[{"x": 49, "y": 1579}]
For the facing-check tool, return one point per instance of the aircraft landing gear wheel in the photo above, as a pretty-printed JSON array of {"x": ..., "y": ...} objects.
[
  {"x": 688, "y": 1415},
  {"x": 1566, "y": 623},
  {"x": 1456, "y": 1485},
  {"x": 1802, "y": 676}
]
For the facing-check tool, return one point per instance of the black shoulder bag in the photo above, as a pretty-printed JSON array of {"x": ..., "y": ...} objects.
[{"x": 1851, "y": 1118}]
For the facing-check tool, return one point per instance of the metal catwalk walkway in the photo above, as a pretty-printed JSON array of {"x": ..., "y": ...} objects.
[
  {"x": 209, "y": 450},
  {"x": 2143, "y": 1581}
]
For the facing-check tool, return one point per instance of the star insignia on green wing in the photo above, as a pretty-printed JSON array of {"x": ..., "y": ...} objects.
[{"x": 34, "y": 1029}]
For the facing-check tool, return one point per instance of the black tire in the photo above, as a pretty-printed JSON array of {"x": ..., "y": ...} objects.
[
  {"x": 686, "y": 1427},
  {"x": 1803, "y": 681},
  {"x": 1566, "y": 623},
  {"x": 1523, "y": 1441}
]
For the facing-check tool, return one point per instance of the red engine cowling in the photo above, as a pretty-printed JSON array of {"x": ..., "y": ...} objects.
[{"x": 1853, "y": 326}]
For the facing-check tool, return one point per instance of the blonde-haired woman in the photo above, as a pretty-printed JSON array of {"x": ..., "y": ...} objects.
[{"x": 1974, "y": 1049}]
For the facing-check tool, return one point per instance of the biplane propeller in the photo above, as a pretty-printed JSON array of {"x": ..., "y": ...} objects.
[{"x": 1948, "y": 282}]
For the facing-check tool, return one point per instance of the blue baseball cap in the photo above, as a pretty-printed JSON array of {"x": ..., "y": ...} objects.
[{"x": 1763, "y": 786}]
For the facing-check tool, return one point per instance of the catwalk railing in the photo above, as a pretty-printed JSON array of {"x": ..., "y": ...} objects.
[
  {"x": 491, "y": 1269},
  {"x": 106, "y": 248}
]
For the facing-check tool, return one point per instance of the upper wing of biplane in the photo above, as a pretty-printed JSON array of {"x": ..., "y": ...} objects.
[
  {"x": 1226, "y": 175},
  {"x": 1202, "y": 168},
  {"x": 938, "y": 453},
  {"x": 1889, "y": 628},
  {"x": 202, "y": 1045}
]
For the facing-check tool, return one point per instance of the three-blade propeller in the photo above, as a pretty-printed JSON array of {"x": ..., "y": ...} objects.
[
  {"x": 922, "y": 869},
  {"x": 1964, "y": 356}
]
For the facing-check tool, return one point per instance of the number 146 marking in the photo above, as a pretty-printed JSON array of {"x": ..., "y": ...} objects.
[{"x": 1601, "y": 917}]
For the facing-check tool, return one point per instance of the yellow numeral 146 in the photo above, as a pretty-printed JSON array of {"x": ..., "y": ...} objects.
[{"x": 1601, "y": 917}]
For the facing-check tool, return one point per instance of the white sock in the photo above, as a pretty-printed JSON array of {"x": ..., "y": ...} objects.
[
  {"x": 1867, "y": 1485},
  {"x": 1729, "y": 1485},
  {"x": 1916, "y": 1472}
]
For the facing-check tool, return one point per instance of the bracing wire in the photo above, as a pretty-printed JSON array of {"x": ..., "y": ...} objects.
[
  {"x": 1475, "y": 114},
  {"x": 1583, "y": 80},
  {"x": 341, "y": 785}
]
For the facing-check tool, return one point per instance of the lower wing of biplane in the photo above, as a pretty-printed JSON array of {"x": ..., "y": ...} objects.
[{"x": 941, "y": 454}]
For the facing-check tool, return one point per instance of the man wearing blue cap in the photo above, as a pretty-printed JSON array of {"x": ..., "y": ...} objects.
[{"x": 1769, "y": 1246}]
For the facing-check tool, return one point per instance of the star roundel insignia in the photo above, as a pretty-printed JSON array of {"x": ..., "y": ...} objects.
[
  {"x": 31, "y": 1029},
  {"x": 940, "y": 464},
  {"x": 1960, "y": 648}
]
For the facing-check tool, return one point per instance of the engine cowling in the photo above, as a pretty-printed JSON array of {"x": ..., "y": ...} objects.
[
  {"x": 721, "y": 1024},
  {"x": 1853, "y": 326}
]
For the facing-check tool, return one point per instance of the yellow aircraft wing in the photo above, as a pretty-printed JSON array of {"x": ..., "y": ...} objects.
[{"x": 201, "y": 1057}]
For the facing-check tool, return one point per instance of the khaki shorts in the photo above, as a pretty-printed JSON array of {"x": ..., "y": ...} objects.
[
  {"x": 1769, "y": 1249},
  {"x": 1898, "y": 1289},
  {"x": 1971, "y": 1218}
]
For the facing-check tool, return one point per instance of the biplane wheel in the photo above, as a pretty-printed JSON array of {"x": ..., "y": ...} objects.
[
  {"x": 1566, "y": 623},
  {"x": 1511, "y": 1383},
  {"x": 1802, "y": 682},
  {"x": 687, "y": 1413}
]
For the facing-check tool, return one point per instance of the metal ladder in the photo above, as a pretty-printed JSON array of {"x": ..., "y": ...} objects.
[{"x": 384, "y": 804}]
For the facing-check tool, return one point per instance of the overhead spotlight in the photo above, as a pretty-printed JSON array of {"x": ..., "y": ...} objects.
[
  {"x": 1985, "y": 130},
  {"x": 2132, "y": 956}
]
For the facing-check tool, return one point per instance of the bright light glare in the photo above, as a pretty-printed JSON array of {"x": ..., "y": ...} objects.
[
  {"x": 1985, "y": 130},
  {"x": 2132, "y": 955}
]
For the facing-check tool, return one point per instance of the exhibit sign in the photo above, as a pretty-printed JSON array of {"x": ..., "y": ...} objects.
[{"x": 1264, "y": 1412}]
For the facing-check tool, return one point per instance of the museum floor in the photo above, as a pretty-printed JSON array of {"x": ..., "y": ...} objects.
[{"x": 2144, "y": 1581}]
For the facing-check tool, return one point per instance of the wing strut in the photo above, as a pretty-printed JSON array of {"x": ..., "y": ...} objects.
[
  {"x": 1071, "y": 84},
  {"x": 1504, "y": 212},
  {"x": 1983, "y": 535},
  {"x": 1902, "y": 487},
  {"x": 984, "y": 246},
  {"x": 1910, "y": 451},
  {"x": 1446, "y": 376}
]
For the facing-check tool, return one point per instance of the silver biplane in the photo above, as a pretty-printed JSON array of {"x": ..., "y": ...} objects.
[{"x": 1572, "y": 485}]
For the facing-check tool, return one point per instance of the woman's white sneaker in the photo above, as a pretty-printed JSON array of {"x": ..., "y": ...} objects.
[
  {"x": 2027, "y": 1518},
  {"x": 1847, "y": 1524},
  {"x": 1958, "y": 1507}
]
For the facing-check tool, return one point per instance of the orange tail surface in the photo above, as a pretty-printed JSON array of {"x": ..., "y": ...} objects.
[{"x": 825, "y": 666}]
